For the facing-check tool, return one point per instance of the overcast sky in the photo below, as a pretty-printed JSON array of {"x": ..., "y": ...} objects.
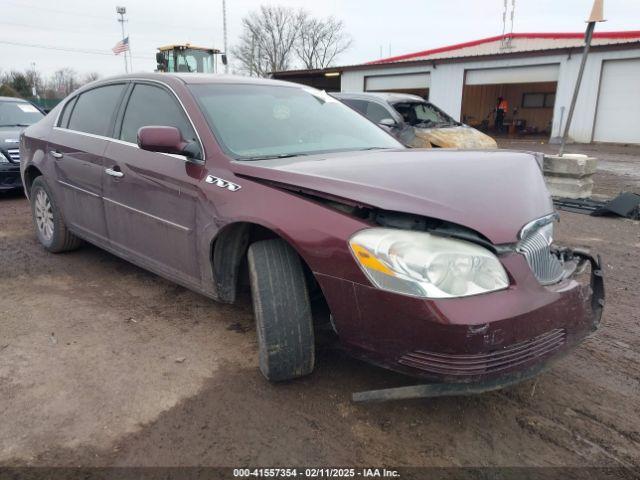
[{"x": 396, "y": 27}]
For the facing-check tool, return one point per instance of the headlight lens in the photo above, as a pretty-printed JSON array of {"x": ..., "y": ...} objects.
[
  {"x": 426, "y": 265},
  {"x": 3, "y": 158}
]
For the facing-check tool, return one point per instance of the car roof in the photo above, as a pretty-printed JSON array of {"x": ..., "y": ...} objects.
[
  {"x": 389, "y": 97},
  {"x": 200, "y": 78}
]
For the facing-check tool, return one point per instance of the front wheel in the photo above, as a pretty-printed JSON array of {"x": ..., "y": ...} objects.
[
  {"x": 282, "y": 310},
  {"x": 48, "y": 220}
]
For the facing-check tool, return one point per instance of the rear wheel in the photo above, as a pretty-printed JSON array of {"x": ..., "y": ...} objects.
[
  {"x": 282, "y": 310},
  {"x": 48, "y": 220}
]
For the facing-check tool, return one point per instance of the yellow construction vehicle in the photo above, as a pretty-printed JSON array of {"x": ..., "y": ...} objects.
[{"x": 188, "y": 58}]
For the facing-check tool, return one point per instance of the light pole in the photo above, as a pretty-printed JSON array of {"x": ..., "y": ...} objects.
[
  {"x": 34, "y": 88},
  {"x": 596, "y": 16},
  {"x": 224, "y": 33},
  {"x": 122, "y": 11}
]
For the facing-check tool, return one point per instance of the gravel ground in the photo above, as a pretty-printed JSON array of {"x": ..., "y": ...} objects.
[
  {"x": 102, "y": 363},
  {"x": 618, "y": 165}
]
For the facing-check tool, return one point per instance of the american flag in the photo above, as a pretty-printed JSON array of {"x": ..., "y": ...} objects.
[{"x": 121, "y": 46}]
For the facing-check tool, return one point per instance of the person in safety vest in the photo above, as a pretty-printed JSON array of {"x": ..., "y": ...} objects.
[{"x": 502, "y": 108}]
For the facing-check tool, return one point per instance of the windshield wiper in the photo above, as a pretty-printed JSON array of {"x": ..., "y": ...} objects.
[
  {"x": 271, "y": 157},
  {"x": 15, "y": 125}
]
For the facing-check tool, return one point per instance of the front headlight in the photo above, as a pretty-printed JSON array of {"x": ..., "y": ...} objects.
[
  {"x": 3, "y": 158},
  {"x": 426, "y": 265}
]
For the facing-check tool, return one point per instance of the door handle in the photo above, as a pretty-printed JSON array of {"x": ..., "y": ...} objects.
[
  {"x": 56, "y": 154},
  {"x": 113, "y": 173}
]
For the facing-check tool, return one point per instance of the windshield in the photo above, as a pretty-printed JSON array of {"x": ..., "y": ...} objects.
[
  {"x": 190, "y": 60},
  {"x": 264, "y": 121},
  {"x": 423, "y": 114},
  {"x": 18, "y": 114}
]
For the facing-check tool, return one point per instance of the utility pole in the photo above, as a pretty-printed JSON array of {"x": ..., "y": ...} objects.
[
  {"x": 224, "y": 33},
  {"x": 121, "y": 11},
  {"x": 596, "y": 16},
  {"x": 505, "y": 43},
  {"x": 34, "y": 89}
]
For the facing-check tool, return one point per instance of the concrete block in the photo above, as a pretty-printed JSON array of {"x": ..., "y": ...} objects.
[
  {"x": 568, "y": 187},
  {"x": 570, "y": 165},
  {"x": 569, "y": 176}
]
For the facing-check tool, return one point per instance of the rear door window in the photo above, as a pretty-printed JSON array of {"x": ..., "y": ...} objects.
[
  {"x": 151, "y": 105},
  {"x": 66, "y": 113},
  {"x": 376, "y": 112},
  {"x": 94, "y": 110},
  {"x": 357, "y": 105}
]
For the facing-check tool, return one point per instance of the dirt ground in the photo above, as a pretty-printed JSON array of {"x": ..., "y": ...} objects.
[
  {"x": 618, "y": 165},
  {"x": 102, "y": 363}
]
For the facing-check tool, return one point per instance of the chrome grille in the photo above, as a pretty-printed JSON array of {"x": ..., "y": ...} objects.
[
  {"x": 508, "y": 357},
  {"x": 545, "y": 265},
  {"x": 14, "y": 155}
]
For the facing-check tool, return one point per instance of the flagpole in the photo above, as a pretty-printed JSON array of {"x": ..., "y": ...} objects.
[
  {"x": 121, "y": 11},
  {"x": 130, "y": 56}
]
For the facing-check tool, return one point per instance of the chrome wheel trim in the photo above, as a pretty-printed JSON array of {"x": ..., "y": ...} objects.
[{"x": 44, "y": 215}]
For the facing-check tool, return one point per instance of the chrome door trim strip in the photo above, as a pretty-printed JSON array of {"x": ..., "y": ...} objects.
[
  {"x": 129, "y": 144},
  {"x": 175, "y": 225},
  {"x": 68, "y": 185}
]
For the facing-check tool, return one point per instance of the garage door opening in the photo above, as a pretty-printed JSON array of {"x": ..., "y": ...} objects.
[
  {"x": 411, "y": 83},
  {"x": 529, "y": 91}
]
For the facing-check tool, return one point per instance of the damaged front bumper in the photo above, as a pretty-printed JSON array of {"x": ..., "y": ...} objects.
[
  {"x": 472, "y": 344},
  {"x": 533, "y": 355}
]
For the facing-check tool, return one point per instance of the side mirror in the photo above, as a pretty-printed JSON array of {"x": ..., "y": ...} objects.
[
  {"x": 165, "y": 140},
  {"x": 224, "y": 58},
  {"x": 161, "y": 62},
  {"x": 388, "y": 122}
]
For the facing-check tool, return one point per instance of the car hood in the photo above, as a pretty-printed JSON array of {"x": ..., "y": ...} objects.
[
  {"x": 454, "y": 137},
  {"x": 492, "y": 192},
  {"x": 9, "y": 137}
]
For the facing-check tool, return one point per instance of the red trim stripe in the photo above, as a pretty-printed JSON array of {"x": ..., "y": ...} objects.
[{"x": 473, "y": 43}]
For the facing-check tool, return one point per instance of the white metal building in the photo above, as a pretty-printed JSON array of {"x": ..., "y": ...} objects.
[{"x": 535, "y": 72}]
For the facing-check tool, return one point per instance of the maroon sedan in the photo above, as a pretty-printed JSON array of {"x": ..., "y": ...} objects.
[{"x": 436, "y": 263}]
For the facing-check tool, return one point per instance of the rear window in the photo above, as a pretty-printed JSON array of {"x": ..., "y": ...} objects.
[{"x": 94, "y": 109}]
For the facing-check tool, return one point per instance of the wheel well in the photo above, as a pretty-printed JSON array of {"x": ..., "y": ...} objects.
[
  {"x": 229, "y": 260},
  {"x": 30, "y": 174}
]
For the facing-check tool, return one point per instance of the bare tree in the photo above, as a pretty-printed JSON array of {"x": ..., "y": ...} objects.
[
  {"x": 267, "y": 42},
  {"x": 320, "y": 41},
  {"x": 64, "y": 81},
  {"x": 34, "y": 77},
  {"x": 60, "y": 84},
  {"x": 90, "y": 77}
]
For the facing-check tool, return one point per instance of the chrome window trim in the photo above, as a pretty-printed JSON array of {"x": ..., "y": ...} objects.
[
  {"x": 129, "y": 144},
  {"x": 134, "y": 80}
]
